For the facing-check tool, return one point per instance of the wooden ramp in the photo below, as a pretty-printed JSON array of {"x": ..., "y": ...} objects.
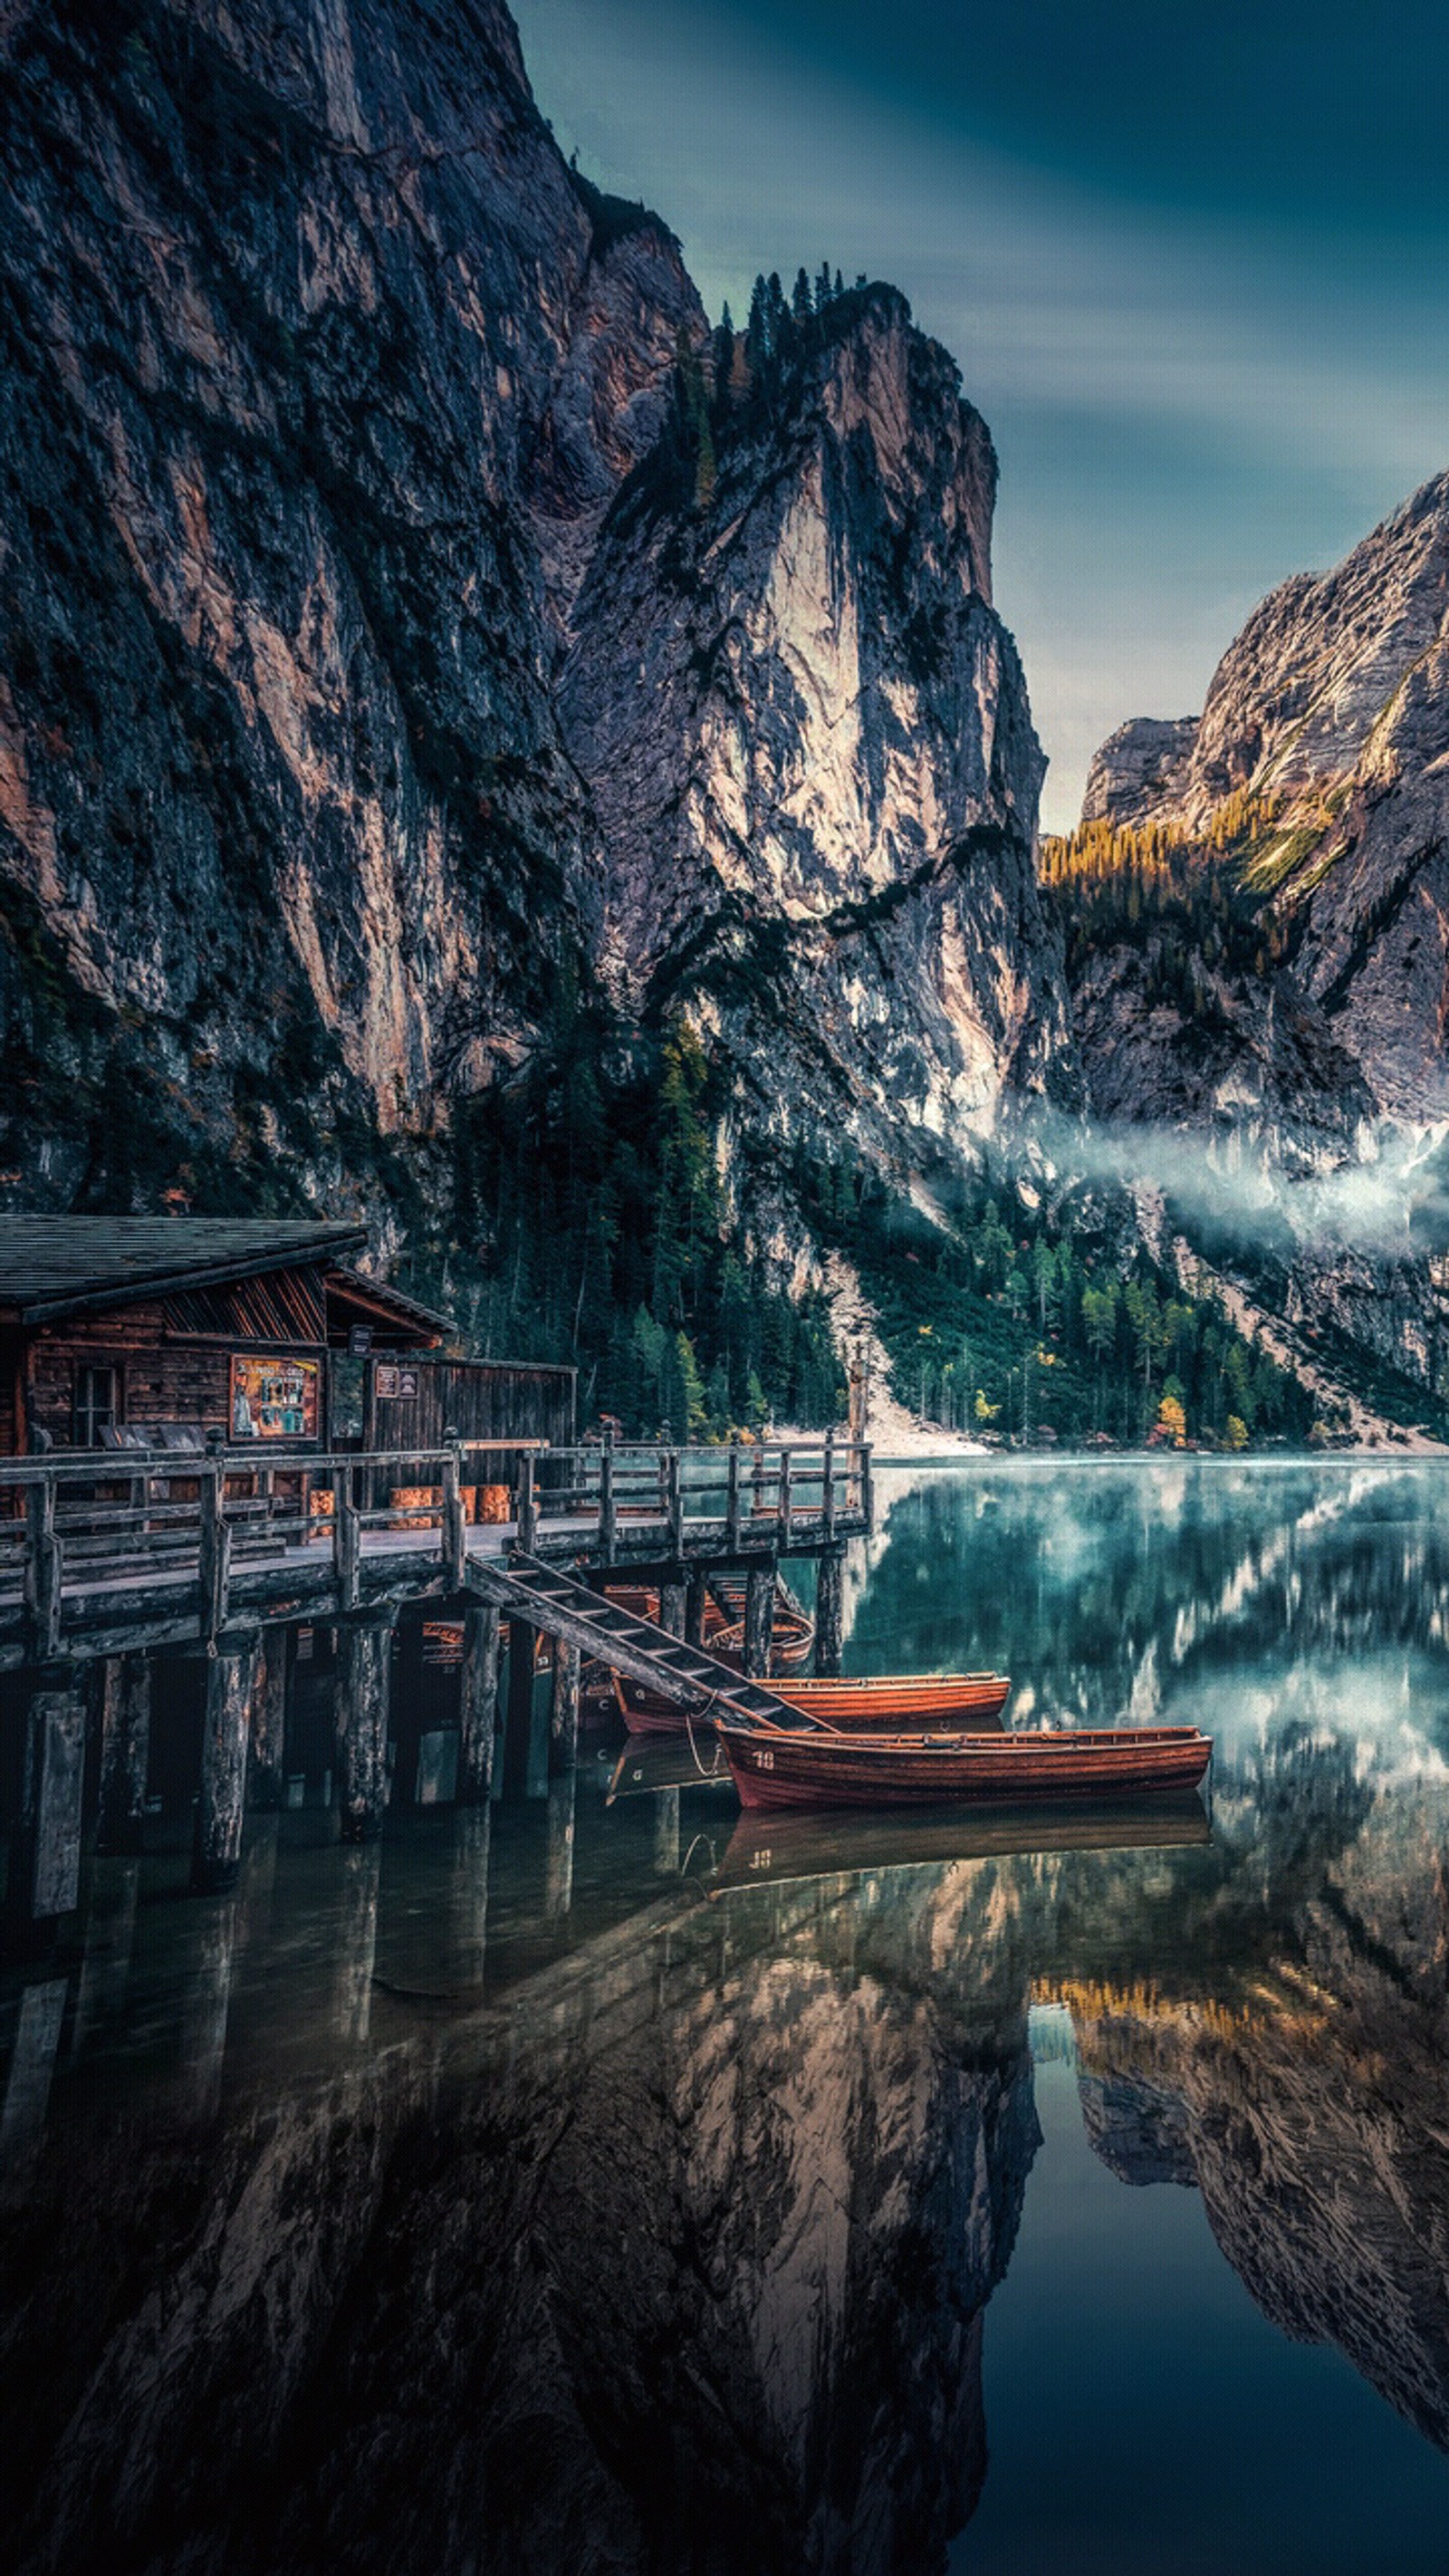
[{"x": 564, "y": 1607}]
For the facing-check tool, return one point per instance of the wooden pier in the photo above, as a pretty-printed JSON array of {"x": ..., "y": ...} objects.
[{"x": 107, "y": 1561}]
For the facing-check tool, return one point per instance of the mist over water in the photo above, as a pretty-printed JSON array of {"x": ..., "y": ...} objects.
[{"x": 1390, "y": 1197}]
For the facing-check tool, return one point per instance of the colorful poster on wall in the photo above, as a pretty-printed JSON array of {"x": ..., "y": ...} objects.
[{"x": 273, "y": 1399}]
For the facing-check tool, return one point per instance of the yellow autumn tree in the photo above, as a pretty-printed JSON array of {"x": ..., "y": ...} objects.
[{"x": 1172, "y": 1421}]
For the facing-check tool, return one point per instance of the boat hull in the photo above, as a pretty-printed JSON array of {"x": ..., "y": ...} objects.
[
  {"x": 821, "y": 1768},
  {"x": 901, "y": 1699},
  {"x": 973, "y": 1700}
]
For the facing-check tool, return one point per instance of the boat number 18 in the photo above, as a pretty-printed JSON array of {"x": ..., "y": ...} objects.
[{"x": 764, "y": 1761}]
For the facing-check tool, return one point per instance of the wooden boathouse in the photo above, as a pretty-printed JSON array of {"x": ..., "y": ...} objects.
[
  {"x": 123, "y": 1331},
  {"x": 114, "y": 1550}
]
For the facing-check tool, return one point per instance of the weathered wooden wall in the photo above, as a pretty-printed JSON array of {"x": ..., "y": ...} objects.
[
  {"x": 169, "y": 1370},
  {"x": 478, "y": 1398}
]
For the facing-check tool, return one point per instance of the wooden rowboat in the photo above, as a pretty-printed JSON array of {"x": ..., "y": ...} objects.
[
  {"x": 909, "y": 1699},
  {"x": 820, "y": 1766},
  {"x": 884, "y": 1700}
]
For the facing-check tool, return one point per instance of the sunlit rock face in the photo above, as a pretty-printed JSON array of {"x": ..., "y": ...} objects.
[
  {"x": 1320, "y": 755},
  {"x": 808, "y": 740},
  {"x": 359, "y": 663},
  {"x": 1331, "y": 706},
  {"x": 1136, "y": 767}
]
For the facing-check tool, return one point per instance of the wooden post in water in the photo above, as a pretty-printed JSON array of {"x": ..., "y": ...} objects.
[
  {"x": 267, "y": 1766},
  {"x": 518, "y": 1717},
  {"x": 827, "y": 1497},
  {"x": 673, "y": 1603},
  {"x": 666, "y": 1832},
  {"x": 830, "y": 1614},
  {"x": 732, "y": 1499},
  {"x": 364, "y": 1692},
  {"x": 558, "y": 1888},
  {"x": 45, "y": 1858},
  {"x": 125, "y": 1698},
  {"x": 468, "y": 1906},
  {"x": 230, "y": 1681},
  {"x": 759, "y": 1619},
  {"x": 27, "y": 2086},
  {"x": 674, "y": 1501},
  {"x": 479, "y": 1710},
  {"x": 563, "y": 1715},
  {"x": 356, "y": 1951},
  {"x": 695, "y": 1597}
]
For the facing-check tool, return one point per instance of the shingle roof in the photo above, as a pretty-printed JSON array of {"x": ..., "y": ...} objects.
[{"x": 63, "y": 1265}]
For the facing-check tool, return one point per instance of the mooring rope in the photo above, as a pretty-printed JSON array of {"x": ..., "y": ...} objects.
[{"x": 689, "y": 1717}]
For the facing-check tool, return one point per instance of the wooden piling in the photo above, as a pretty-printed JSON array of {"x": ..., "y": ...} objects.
[
  {"x": 125, "y": 1700},
  {"x": 267, "y": 1766},
  {"x": 759, "y": 1619},
  {"x": 27, "y": 2087},
  {"x": 563, "y": 1715},
  {"x": 558, "y": 1892},
  {"x": 356, "y": 1951},
  {"x": 673, "y": 1607},
  {"x": 666, "y": 1833},
  {"x": 518, "y": 1719},
  {"x": 696, "y": 1594},
  {"x": 469, "y": 1893},
  {"x": 364, "y": 1691},
  {"x": 45, "y": 1862},
  {"x": 830, "y": 1614},
  {"x": 230, "y": 1681},
  {"x": 479, "y": 1706}
]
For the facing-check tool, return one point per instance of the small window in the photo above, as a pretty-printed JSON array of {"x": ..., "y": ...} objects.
[{"x": 97, "y": 1403}]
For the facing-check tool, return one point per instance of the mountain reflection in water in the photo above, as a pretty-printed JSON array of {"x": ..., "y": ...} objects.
[{"x": 392, "y": 2214}]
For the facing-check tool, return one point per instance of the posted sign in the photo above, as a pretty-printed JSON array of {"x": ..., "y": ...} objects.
[{"x": 273, "y": 1399}]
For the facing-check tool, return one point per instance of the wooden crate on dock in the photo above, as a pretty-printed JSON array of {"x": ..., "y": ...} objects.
[{"x": 421, "y": 1506}]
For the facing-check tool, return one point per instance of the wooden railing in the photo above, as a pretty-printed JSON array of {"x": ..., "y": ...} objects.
[{"x": 111, "y": 1527}]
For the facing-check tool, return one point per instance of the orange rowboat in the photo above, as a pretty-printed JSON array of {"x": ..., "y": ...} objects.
[
  {"x": 906, "y": 1699},
  {"x": 962, "y": 1700},
  {"x": 818, "y": 1767}
]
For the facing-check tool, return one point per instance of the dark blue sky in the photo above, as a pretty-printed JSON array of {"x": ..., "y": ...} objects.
[{"x": 1193, "y": 260}]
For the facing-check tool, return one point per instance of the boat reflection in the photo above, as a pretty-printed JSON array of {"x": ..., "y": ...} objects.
[{"x": 785, "y": 1847}]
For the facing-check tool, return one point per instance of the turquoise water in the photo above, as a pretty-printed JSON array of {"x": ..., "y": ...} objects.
[{"x": 601, "y": 2182}]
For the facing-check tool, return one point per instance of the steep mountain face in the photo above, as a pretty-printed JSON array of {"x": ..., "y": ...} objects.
[
  {"x": 1287, "y": 982},
  {"x": 1136, "y": 768},
  {"x": 1330, "y": 715},
  {"x": 318, "y": 366},
  {"x": 807, "y": 738},
  {"x": 367, "y": 662}
]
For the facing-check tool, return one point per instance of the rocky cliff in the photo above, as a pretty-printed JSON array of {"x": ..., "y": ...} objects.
[
  {"x": 1283, "y": 985},
  {"x": 380, "y": 644},
  {"x": 1328, "y": 714}
]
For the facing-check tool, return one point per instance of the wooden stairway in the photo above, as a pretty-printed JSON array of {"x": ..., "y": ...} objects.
[{"x": 564, "y": 1607}]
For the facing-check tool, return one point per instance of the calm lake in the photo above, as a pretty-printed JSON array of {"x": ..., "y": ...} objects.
[{"x": 604, "y": 2183}]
